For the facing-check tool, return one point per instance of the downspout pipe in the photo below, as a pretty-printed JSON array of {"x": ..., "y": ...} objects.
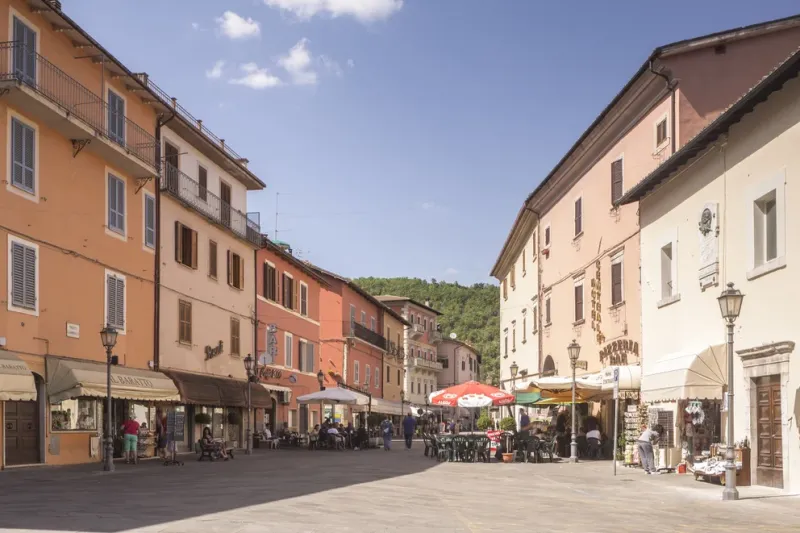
[
  {"x": 671, "y": 85},
  {"x": 160, "y": 123}
]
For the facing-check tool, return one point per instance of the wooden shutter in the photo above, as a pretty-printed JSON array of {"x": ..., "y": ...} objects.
[
  {"x": 178, "y": 242},
  {"x": 230, "y": 269},
  {"x": 202, "y": 178},
  {"x": 265, "y": 280},
  {"x": 212, "y": 259},
  {"x": 616, "y": 283},
  {"x": 616, "y": 180},
  {"x": 17, "y": 274},
  {"x": 241, "y": 273},
  {"x": 578, "y": 302},
  {"x": 149, "y": 221},
  {"x": 578, "y": 216},
  {"x": 301, "y": 356},
  {"x": 296, "y": 296},
  {"x": 111, "y": 300},
  {"x": 194, "y": 249},
  {"x": 17, "y": 153},
  {"x": 310, "y": 356},
  {"x": 120, "y": 302}
]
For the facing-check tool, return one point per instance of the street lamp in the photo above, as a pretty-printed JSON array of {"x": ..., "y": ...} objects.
[
  {"x": 321, "y": 379},
  {"x": 250, "y": 368},
  {"x": 730, "y": 305},
  {"x": 108, "y": 336},
  {"x": 402, "y": 402},
  {"x": 514, "y": 371},
  {"x": 574, "y": 350}
]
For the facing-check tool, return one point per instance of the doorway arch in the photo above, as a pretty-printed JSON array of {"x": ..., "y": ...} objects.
[{"x": 549, "y": 367}]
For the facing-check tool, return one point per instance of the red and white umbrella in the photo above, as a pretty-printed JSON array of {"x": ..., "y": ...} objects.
[{"x": 471, "y": 395}]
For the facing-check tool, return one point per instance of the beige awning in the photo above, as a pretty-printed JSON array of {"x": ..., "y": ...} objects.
[
  {"x": 275, "y": 388},
  {"x": 72, "y": 378},
  {"x": 16, "y": 380},
  {"x": 698, "y": 374}
]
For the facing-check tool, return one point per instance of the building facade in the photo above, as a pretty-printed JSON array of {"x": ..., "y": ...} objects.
[
  {"x": 394, "y": 331},
  {"x": 719, "y": 212},
  {"x": 588, "y": 246},
  {"x": 77, "y": 223},
  {"x": 289, "y": 312},
  {"x": 460, "y": 363},
  {"x": 419, "y": 344}
]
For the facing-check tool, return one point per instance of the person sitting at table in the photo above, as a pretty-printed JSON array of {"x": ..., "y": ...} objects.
[
  {"x": 313, "y": 436},
  {"x": 209, "y": 442},
  {"x": 333, "y": 437},
  {"x": 593, "y": 441},
  {"x": 361, "y": 439}
]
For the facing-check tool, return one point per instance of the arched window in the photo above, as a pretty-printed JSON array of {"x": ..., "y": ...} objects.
[{"x": 549, "y": 367}]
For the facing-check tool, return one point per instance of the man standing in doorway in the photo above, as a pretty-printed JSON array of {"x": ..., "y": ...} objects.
[{"x": 409, "y": 425}]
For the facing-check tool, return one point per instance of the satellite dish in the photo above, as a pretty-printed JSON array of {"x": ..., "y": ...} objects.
[{"x": 453, "y": 335}]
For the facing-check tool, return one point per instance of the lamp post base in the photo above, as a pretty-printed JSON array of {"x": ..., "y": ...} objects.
[
  {"x": 730, "y": 494},
  {"x": 248, "y": 449},
  {"x": 573, "y": 459},
  {"x": 108, "y": 459}
]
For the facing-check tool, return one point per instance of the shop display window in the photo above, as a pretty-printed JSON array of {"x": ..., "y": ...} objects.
[{"x": 80, "y": 414}]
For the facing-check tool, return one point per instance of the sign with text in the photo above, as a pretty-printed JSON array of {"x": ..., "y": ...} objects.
[{"x": 616, "y": 352}]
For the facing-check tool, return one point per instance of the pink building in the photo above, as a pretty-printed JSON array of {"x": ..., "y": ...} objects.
[{"x": 460, "y": 363}]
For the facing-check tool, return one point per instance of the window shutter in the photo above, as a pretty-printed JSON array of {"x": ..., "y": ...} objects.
[
  {"x": 178, "y": 241},
  {"x": 616, "y": 283},
  {"x": 120, "y": 302},
  {"x": 265, "y": 280},
  {"x": 29, "y": 144},
  {"x": 578, "y": 216},
  {"x": 310, "y": 356},
  {"x": 230, "y": 270},
  {"x": 17, "y": 274},
  {"x": 17, "y": 151},
  {"x": 149, "y": 221},
  {"x": 578, "y": 302},
  {"x": 241, "y": 274},
  {"x": 296, "y": 296},
  {"x": 616, "y": 180},
  {"x": 112, "y": 202},
  {"x": 194, "y": 249},
  {"x": 301, "y": 356},
  {"x": 111, "y": 303},
  {"x": 30, "y": 277},
  {"x": 120, "y": 204}
]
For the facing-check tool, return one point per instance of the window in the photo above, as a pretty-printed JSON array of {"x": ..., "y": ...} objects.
[
  {"x": 184, "y": 322},
  {"x": 372, "y": 323},
  {"x": 80, "y": 414},
  {"x": 23, "y": 156},
  {"x": 303, "y": 299},
  {"x": 388, "y": 374},
  {"x": 185, "y": 245},
  {"x": 310, "y": 358},
  {"x": 535, "y": 318},
  {"x": 426, "y": 388},
  {"x": 356, "y": 373},
  {"x": 25, "y": 56},
  {"x": 367, "y": 376},
  {"x": 202, "y": 182},
  {"x": 377, "y": 378},
  {"x": 505, "y": 343},
  {"x": 661, "y": 132},
  {"x": 470, "y": 364},
  {"x": 270, "y": 282},
  {"x": 115, "y": 300},
  {"x": 288, "y": 343},
  {"x": 293, "y": 419},
  {"x": 524, "y": 327},
  {"x": 425, "y": 324},
  {"x": 578, "y": 216},
  {"x": 616, "y": 280},
  {"x": 116, "y": 118},
  {"x": 579, "y": 301},
  {"x": 616, "y": 180},
  {"x": 235, "y": 336},
  {"x": 547, "y": 236},
  {"x": 463, "y": 365},
  {"x": 305, "y": 356},
  {"x": 524, "y": 268},
  {"x": 505, "y": 289},
  {"x": 24, "y": 275},
  {"x": 212, "y": 259},
  {"x": 765, "y": 228},
  {"x": 547, "y": 310},
  {"x": 364, "y": 318},
  {"x": 149, "y": 220},
  {"x": 235, "y": 271},
  {"x": 514, "y": 336},
  {"x": 513, "y": 277},
  {"x": 225, "y": 203},
  {"x": 667, "y": 284},
  {"x": 352, "y": 317},
  {"x": 116, "y": 204},
  {"x": 398, "y": 377}
]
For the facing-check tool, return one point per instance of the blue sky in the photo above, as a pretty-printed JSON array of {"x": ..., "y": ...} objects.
[{"x": 402, "y": 135}]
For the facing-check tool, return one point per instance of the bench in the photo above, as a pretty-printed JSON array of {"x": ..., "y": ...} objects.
[{"x": 213, "y": 451}]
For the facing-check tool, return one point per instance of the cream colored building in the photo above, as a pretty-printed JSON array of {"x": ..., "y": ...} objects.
[{"x": 720, "y": 211}]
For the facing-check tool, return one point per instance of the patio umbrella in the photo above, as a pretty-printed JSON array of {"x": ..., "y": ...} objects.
[
  {"x": 472, "y": 395},
  {"x": 333, "y": 396}
]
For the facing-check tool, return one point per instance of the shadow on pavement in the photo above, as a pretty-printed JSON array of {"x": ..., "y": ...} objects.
[{"x": 84, "y": 499}]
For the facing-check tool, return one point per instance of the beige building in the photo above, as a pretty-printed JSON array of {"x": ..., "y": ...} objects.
[
  {"x": 460, "y": 363},
  {"x": 719, "y": 211}
]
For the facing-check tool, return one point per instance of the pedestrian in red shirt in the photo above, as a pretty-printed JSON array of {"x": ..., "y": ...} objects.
[{"x": 130, "y": 431}]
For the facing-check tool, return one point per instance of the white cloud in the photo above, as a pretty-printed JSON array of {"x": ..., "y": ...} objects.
[
  {"x": 429, "y": 206},
  {"x": 351, "y": 63},
  {"x": 298, "y": 64},
  {"x": 256, "y": 78},
  {"x": 195, "y": 26},
  {"x": 236, "y": 27},
  {"x": 361, "y": 10},
  {"x": 451, "y": 271},
  {"x": 331, "y": 66},
  {"x": 216, "y": 71}
]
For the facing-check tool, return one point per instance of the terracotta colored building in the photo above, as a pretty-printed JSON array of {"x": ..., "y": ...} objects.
[{"x": 289, "y": 311}]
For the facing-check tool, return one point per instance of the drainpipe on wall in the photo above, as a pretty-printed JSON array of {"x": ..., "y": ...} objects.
[
  {"x": 255, "y": 305},
  {"x": 157, "y": 255},
  {"x": 344, "y": 359},
  {"x": 671, "y": 85},
  {"x": 455, "y": 364}
]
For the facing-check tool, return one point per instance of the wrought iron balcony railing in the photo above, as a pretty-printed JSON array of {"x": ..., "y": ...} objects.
[
  {"x": 425, "y": 363},
  {"x": 354, "y": 329},
  {"x": 208, "y": 204},
  {"x": 23, "y": 65}
]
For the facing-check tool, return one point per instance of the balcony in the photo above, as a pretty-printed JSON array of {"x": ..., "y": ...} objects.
[
  {"x": 354, "y": 329},
  {"x": 424, "y": 363},
  {"x": 393, "y": 350},
  {"x": 434, "y": 337},
  {"x": 417, "y": 331},
  {"x": 51, "y": 97},
  {"x": 187, "y": 191}
]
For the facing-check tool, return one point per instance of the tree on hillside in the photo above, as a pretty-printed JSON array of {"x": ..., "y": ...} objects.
[{"x": 472, "y": 313}]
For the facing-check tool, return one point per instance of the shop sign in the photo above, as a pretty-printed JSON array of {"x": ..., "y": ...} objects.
[
  {"x": 596, "y": 306},
  {"x": 616, "y": 352},
  {"x": 132, "y": 381},
  {"x": 629, "y": 395},
  {"x": 73, "y": 331},
  {"x": 213, "y": 351},
  {"x": 267, "y": 372}
]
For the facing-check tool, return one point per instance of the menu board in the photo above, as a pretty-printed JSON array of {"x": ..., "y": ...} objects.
[{"x": 176, "y": 426}]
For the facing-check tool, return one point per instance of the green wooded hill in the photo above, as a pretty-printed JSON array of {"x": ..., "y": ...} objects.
[{"x": 473, "y": 313}]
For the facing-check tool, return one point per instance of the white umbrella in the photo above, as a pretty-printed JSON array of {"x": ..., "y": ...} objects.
[{"x": 334, "y": 395}]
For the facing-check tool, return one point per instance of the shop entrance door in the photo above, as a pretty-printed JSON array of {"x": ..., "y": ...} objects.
[
  {"x": 769, "y": 471},
  {"x": 22, "y": 433}
]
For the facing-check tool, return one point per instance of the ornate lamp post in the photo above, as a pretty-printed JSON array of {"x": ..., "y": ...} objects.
[
  {"x": 402, "y": 402},
  {"x": 730, "y": 305},
  {"x": 574, "y": 350},
  {"x": 514, "y": 371},
  {"x": 108, "y": 335},
  {"x": 250, "y": 366},
  {"x": 321, "y": 379}
]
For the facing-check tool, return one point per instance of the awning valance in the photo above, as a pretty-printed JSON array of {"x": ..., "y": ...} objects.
[
  {"x": 335, "y": 395},
  {"x": 72, "y": 378},
  {"x": 588, "y": 388},
  {"x": 386, "y": 407},
  {"x": 690, "y": 375},
  {"x": 16, "y": 380},
  {"x": 203, "y": 389},
  {"x": 630, "y": 377},
  {"x": 275, "y": 388},
  {"x": 527, "y": 397}
]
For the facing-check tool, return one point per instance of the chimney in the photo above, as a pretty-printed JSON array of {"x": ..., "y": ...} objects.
[
  {"x": 55, "y": 4},
  {"x": 243, "y": 161},
  {"x": 427, "y": 303}
]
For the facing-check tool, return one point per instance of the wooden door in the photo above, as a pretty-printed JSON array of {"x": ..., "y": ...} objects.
[
  {"x": 171, "y": 166},
  {"x": 770, "y": 447},
  {"x": 225, "y": 208},
  {"x": 22, "y": 433}
]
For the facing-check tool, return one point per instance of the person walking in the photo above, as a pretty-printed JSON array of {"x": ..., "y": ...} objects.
[
  {"x": 130, "y": 431},
  {"x": 387, "y": 430},
  {"x": 409, "y": 425},
  {"x": 645, "y": 445}
]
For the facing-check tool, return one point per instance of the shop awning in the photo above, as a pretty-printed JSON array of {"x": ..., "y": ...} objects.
[
  {"x": 527, "y": 397},
  {"x": 203, "y": 389},
  {"x": 275, "y": 388},
  {"x": 691, "y": 375},
  {"x": 72, "y": 378},
  {"x": 588, "y": 388},
  {"x": 630, "y": 377},
  {"x": 334, "y": 395},
  {"x": 16, "y": 380},
  {"x": 386, "y": 407}
]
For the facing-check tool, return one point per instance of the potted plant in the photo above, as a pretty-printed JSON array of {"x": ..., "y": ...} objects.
[
  {"x": 484, "y": 422},
  {"x": 508, "y": 424},
  {"x": 202, "y": 419},
  {"x": 234, "y": 418}
]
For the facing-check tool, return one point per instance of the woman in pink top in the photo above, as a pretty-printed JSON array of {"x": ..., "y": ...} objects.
[{"x": 130, "y": 431}]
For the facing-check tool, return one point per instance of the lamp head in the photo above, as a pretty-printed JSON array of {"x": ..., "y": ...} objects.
[
  {"x": 514, "y": 369},
  {"x": 730, "y": 303},
  {"x": 574, "y": 350},
  {"x": 248, "y": 365},
  {"x": 108, "y": 336}
]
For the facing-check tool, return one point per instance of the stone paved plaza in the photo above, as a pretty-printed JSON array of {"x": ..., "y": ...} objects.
[{"x": 298, "y": 491}]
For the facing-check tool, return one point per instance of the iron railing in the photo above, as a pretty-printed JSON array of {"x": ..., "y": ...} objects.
[
  {"x": 23, "y": 65},
  {"x": 173, "y": 104},
  {"x": 208, "y": 204},
  {"x": 419, "y": 361},
  {"x": 354, "y": 329}
]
